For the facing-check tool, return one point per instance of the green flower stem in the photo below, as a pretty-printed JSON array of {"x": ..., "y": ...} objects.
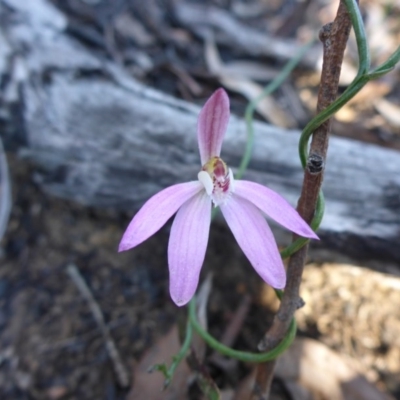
[
  {"x": 388, "y": 65},
  {"x": 184, "y": 349},
  {"x": 169, "y": 372},
  {"x": 236, "y": 354},
  {"x": 361, "y": 38}
]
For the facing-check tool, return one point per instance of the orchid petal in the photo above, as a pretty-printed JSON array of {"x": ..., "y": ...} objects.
[
  {"x": 206, "y": 180},
  {"x": 275, "y": 206},
  {"x": 254, "y": 236},
  {"x": 187, "y": 247},
  {"x": 156, "y": 212},
  {"x": 212, "y": 124}
]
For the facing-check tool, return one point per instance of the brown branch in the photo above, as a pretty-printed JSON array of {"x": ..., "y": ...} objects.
[{"x": 334, "y": 37}]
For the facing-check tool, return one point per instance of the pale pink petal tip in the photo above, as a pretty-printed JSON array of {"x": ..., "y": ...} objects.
[
  {"x": 187, "y": 247},
  {"x": 211, "y": 125},
  {"x": 274, "y": 206},
  {"x": 156, "y": 212}
]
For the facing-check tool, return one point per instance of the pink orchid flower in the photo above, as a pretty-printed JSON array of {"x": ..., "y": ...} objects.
[{"x": 242, "y": 203}]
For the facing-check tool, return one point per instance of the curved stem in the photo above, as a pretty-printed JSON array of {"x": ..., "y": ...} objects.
[
  {"x": 237, "y": 354},
  {"x": 389, "y": 64},
  {"x": 361, "y": 38},
  {"x": 324, "y": 115}
]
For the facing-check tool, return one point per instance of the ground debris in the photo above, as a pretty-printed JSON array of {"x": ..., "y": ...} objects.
[{"x": 355, "y": 311}]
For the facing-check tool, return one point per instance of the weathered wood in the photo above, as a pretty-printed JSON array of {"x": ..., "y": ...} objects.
[
  {"x": 100, "y": 138},
  {"x": 204, "y": 19}
]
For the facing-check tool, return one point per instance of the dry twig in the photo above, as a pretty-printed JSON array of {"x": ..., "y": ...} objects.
[
  {"x": 119, "y": 368},
  {"x": 334, "y": 38}
]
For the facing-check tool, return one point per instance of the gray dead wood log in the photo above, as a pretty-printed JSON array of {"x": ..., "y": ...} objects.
[{"x": 98, "y": 137}]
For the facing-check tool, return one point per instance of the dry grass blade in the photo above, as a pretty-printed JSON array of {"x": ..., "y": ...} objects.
[{"x": 120, "y": 371}]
